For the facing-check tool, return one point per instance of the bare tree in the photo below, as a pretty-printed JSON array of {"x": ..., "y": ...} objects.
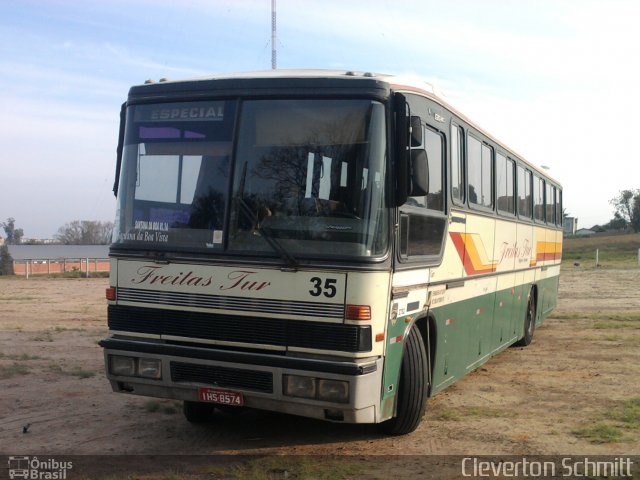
[{"x": 85, "y": 232}]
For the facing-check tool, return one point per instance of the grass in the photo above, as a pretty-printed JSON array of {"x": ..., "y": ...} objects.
[
  {"x": 615, "y": 316},
  {"x": 19, "y": 298},
  {"x": 8, "y": 371},
  {"x": 153, "y": 406},
  {"x": 600, "y": 433},
  {"x": 615, "y": 325},
  {"x": 626, "y": 339},
  {"x": 43, "y": 337},
  {"x": 603, "y": 321},
  {"x": 471, "y": 412},
  {"x": 615, "y": 250},
  {"x": 625, "y": 417},
  {"x": 21, "y": 357},
  {"x": 628, "y": 414},
  {"x": 75, "y": 372}
]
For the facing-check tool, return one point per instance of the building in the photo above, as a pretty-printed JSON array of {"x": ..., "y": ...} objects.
[
  {"x": 569, "y": 225},
  {"x": 48, "y": 259}
]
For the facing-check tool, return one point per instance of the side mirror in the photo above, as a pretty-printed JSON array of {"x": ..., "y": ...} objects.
[
  {"x": 419, "y": 173},
  {"x": 402, "y": 133},
  {"x": 123, "y": 117},
  {"x": 416, "y": 131}
]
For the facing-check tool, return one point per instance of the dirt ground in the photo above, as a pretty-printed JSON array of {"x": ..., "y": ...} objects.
[{"x": 567, "y": 393}]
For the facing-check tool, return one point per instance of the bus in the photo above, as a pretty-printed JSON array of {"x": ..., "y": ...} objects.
[{"x": 334, "y": 245}]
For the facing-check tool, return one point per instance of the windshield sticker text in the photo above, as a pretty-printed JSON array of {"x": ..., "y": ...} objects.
[{"x": 192, "y": 113}]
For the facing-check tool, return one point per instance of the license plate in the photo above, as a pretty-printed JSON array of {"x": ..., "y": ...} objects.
[{"x": 224, "y": 397}]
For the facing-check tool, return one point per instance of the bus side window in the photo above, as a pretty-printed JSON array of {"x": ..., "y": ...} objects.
[
  {"x": 550, "y": 204},
  {"x": 538, "y": 198},
  {"x": 457, "y": 164},
  {"x": 423, "y": 222},
  {"x": 505, "y": 168},
  {"x": 559, "y": 214},
  {"x": 524, "y": 193},
  {"x": 480, "y": 164}
]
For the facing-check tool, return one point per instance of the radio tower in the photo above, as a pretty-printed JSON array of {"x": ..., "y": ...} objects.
[{"x": 274, "y": 62}]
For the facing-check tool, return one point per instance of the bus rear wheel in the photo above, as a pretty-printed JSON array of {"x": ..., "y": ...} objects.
[
  {"x": 529, "y": 321},
  {"x": 197, "y": 412},
  {"x": 412, "y": 388}
]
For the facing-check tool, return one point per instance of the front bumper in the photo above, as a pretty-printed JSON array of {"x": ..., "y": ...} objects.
[{"x": 258, "y": 376}]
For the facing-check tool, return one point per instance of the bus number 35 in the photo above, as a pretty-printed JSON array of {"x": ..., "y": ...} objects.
[{"x": 328, "y": 290}]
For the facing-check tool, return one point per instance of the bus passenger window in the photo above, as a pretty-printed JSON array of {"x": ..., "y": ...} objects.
[
  {"x": 457, "y": 164},
  {"x": 524, "y": 193},
  {"x": 550, "y": 200},
  {"x": 538, "y": 199},
  {"x": 480, "y": 163},
  {"x": 505, "y": 169},
  {"x": 434, "y": 147}
]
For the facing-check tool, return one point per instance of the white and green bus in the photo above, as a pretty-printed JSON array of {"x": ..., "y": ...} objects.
[{"x": 336, "y": 245}]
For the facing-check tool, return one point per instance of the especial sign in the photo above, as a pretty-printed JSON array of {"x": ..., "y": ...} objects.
[{"x": 181, "y": 112}]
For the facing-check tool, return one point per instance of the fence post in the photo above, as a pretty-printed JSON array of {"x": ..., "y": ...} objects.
[
  {"x": 26, "y": 268},
  {"x": 597, "y": 256},
  {"x": 87, "y": 267},
  {"x": 639, "y": 257}
]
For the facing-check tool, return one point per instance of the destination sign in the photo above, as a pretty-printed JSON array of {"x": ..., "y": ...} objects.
[{"x": 181, "y": 112}]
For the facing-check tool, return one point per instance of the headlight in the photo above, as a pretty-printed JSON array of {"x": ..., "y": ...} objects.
[
  {"x": 150, "y": 368},
  {"x": 333, "y": 391},
  {"x": 295, "y": 386},
  {"x": 125, "y": 366}
]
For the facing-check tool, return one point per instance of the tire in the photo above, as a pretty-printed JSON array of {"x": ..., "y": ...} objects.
[
  {"x": 529, "y": 322},
  {"x": 197, "y": 412},
  {"x": 412, "y": 388}
]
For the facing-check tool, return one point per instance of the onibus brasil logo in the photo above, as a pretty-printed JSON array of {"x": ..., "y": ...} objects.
[{"x": 36, "y": 469}]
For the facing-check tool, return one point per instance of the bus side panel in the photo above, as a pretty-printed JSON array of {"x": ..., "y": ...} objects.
[
  {"x": 480, "y": 243},
  {"x": 459, "y": 346},
  {"x": 506, "y": 253}
]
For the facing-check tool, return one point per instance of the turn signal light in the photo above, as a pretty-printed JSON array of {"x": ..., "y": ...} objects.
[
  {"x": 358, "y": 312},
  {"x": 111, "y": 293}
]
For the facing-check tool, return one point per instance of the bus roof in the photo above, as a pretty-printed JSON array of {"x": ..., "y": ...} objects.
[{"x": 401, "y": 83}]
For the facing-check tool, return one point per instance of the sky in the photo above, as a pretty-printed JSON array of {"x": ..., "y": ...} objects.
[{"x": 556, "y": 80}]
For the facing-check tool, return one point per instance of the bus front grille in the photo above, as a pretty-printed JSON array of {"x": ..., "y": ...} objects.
[
  {"x": 240, "y": 329},
  {"x": 222, "y": 377}
]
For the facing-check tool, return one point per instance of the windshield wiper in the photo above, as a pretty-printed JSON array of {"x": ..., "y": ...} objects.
[{"x": 265, "y": 233}]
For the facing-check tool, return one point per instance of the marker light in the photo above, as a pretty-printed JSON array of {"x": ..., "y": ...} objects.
[
  {"x": 111, "y": 293},
  {"x": 358, "y": 312}
]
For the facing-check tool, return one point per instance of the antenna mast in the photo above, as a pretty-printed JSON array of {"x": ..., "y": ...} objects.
[{"x": 273, "y": 36}]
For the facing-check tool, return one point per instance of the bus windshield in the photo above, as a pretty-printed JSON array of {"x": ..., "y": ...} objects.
[{"x": 307, "y": 176}]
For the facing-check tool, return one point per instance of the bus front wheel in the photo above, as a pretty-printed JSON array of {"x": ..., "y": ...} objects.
[
  {"x": 529, "y": 321},
  {"x": 412, "y": 388}
]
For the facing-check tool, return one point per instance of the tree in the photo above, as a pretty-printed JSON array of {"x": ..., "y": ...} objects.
[
  {"x": 6, "y": 262},
  {"x": 85, "y": 232},
  {"x": 627, "y": 209},
  {"x": 14, "y": 235}
]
